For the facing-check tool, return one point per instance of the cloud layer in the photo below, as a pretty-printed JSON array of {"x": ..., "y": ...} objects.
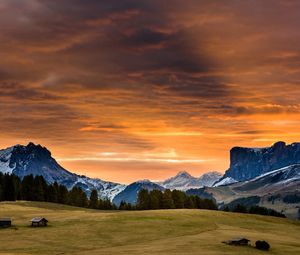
[{"x": 146, "y": 77}]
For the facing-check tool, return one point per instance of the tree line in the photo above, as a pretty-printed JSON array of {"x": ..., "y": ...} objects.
[
  {"x": 255, "y": 209},
  {"x": 156, "y": 199},
  {"x": 35, "y": 188}
]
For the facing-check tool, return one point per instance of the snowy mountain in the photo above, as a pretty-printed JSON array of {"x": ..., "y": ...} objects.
[
  {"x": 129, "y": 194},
  {"x": 208, "y": 179},
  {"x": 37, "y": 160},
  {"x": 184, "y": 181}
]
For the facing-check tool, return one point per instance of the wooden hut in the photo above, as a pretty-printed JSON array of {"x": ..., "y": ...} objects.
[
  {"x": 5, "y": 222},
  {"x": 238, "y": 241},
  {"x": 39, "y": 222}
]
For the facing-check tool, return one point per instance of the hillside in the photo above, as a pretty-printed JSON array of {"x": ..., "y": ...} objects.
[
  {"x": 82, "y": 231},
  {"x": 272, "y": 189}
]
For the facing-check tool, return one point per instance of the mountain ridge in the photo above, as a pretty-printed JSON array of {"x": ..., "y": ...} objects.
[
  {"x": 35, "y": 159},
  {"x": 247, "y": 163},
  {"x": 184, "y": 181}
]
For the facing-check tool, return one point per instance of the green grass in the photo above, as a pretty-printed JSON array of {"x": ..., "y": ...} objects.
[{"x": 82, "y": 231}]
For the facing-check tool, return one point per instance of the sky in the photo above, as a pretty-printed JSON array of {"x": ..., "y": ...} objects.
[{"x": 135, "y": 89}]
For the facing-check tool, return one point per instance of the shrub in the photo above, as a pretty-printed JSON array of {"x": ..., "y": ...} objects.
[{"x": 262, "y": 245}]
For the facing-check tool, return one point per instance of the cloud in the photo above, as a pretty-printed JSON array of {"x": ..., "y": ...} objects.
[{"x": 134, "y": 76}]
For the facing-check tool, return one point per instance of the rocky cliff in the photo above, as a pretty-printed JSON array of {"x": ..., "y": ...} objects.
[{"x": 248, "y": 163}]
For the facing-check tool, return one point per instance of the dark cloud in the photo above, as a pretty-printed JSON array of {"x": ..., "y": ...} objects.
[
  {"x": 16, "y": 91},
  {"x": 116, "y": 75},
  {"x": 145, "y": 37}
]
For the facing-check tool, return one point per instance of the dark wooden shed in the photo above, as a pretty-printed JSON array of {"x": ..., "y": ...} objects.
[
  {"x": 39, "y": 222},
  {"x": 5, "y": 222},
  {"x": 238, "y": 241}
]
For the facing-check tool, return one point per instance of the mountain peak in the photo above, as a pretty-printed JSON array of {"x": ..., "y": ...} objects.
[
  {"x": 143, "y": 181},
  {"x": 23, "y": 160},
  {"x": 183, "y": 174},
  {"x": 30, "y": 144}
]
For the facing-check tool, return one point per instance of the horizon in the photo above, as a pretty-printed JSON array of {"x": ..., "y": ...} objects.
[
  {"x": 143, "y": 90},
  {"x": 143, "y": 179}
]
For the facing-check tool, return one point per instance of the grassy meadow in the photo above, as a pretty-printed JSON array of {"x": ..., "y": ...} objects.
[{"x": 82, "y": 231}]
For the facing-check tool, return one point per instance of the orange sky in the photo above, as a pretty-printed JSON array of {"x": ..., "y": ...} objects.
[{"x": 142, "y": 89}]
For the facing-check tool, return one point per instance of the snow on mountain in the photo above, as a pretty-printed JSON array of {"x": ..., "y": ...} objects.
[
  {"x": 105, "y": 189},
  {"x": 208, "y": 179},
  {"x": 37, "y": 160},
  {"x": 184, "y": 181},
  {"x": 225, "y": 181},
  {"x": 278, "y": 179},
  {"x": 5, "y": 155}
]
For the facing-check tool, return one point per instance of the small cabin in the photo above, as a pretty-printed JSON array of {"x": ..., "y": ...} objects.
[
  {"x": 5, "y": 222},
  {"x": 238, "y": 241},
  {"x": 39, "y": 222}
]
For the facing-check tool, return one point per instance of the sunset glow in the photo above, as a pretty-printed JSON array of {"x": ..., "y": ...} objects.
[{"x": 127, "y": 90}]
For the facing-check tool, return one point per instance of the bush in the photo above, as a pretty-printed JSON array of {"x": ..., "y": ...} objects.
[{"x": 262, "y": 245}]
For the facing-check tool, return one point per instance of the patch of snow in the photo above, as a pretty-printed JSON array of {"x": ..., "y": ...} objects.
[
  {"x": 274, "y": 172},
  {"x": 225, "y": 181},
  {"x": 208, "y": 179},
  {"x": 105, "y": 189},
  {"x": 5, "y": 156}
]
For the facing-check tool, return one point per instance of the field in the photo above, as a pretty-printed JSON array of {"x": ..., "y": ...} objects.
[{"x": 82, "y": 231}]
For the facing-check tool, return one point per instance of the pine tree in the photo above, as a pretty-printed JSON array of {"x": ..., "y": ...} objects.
[
  {"x": 156, "y": 197},
  {"x": 50, "y": 196},
  {"x": 27, "y": 188},
  {"x": 122, "y": 205},
  {"x": 93, "y": 199},
  {"x": 1, "y": 187},
  {"x": 143, "y": 200},
  {"x": 62, "y": 195},
  {"x": 189, "y": 203},
  {"x": 9, "y": 192},
  {"x": 39, "y": 188},
  {"x": 178, "y": 198},
  {"x": 167, "y": 201}
]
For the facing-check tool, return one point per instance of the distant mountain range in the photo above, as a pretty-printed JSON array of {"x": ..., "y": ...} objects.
[
  {"x": 266, "y": 176},
  {"x": 37, "y": 160},
  {"x": 129, "y": 194},
  {"x": 184, "y": 181}
]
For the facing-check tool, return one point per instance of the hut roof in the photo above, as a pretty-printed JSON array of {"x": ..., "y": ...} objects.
[
  {"x": 237, "y": 241},
  {"x": 38, "y": 219},
  {"x": 5, "y": 219}
]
